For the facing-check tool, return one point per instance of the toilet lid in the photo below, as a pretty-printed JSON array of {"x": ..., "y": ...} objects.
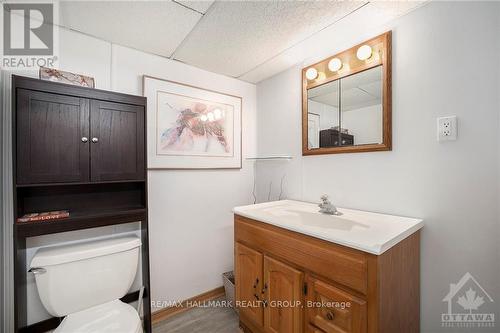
[{"x": 111, "y": 317}]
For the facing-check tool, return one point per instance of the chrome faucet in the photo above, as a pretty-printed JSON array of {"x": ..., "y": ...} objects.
[{"x": 327, "y": 207}]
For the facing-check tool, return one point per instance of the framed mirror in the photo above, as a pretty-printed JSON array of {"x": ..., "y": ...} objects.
[{"x": 346, "y": 100}]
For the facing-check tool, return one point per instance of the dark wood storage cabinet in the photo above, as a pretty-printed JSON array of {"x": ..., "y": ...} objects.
[
  {"x": 332, "y": 138},
  {"x": 118, "y": 153},
  {"x": 61, "y": 139},
  {"x": 82, "y": 150},
  {"x": 49, "y": 132}
]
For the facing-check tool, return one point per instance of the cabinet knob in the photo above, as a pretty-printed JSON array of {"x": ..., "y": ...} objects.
[
  {"x": 85, "y": 139},
  {"x": 95, "y": 140},
  {"x": 329, "y": 315}
]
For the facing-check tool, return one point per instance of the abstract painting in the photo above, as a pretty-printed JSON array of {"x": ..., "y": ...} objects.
[
  {"x": 56, "y": 75},
  {"x": 191, "y": 127}
]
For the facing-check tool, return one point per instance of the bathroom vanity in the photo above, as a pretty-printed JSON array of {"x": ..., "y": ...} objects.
[{"x": 297, "y": 270}]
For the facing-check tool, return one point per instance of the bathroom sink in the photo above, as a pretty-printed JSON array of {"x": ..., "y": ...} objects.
[{"x": 370, "y": 232}]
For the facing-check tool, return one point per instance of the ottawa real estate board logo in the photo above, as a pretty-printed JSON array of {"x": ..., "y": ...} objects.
[
  {"x": 28, "y": 35},
  {"x": 468, "y": 305}
]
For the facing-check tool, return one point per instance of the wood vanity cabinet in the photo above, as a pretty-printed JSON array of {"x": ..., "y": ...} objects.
[
  {"x": 268, "y": 291},
  {"x": 249, "y": 273},
  {"x": 297, "y": 283}
]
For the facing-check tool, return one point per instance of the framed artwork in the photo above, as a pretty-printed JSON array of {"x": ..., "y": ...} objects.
[
  {"x": 56, "y": 75},
  {"x": 191, "y": 127}
]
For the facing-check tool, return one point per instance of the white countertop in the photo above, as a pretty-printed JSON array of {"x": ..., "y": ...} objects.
[{"x": 369, "y": 232}]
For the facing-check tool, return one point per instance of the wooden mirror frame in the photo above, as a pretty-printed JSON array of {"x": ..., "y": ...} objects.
[{"x": 381, "y": 56}]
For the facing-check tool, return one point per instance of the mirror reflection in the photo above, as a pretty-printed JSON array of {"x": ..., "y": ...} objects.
[
  {"x": 346, "y": 112},
  {"x": 323, "y": 114}
]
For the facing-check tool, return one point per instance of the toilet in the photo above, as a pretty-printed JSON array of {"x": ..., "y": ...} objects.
[{"x": 84, "y": 282}]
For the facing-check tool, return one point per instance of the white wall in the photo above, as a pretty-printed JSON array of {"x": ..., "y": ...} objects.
[
  {"x": 328, "y": 115},
  {"x": 364, "y": 123},
  {"x": 191, "y": 219},
  {"x": 445, "y": 62},
  {"x": 191, "y": 223}
]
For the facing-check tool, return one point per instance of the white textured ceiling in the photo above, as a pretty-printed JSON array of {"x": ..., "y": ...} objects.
[
  {"x": 250, "y": 40},
  {"x": 199, "y": 6},
  {"x": 359, "y": 90},
  {"x": 238, "y": 36},
  {"x": 157, "y": 27}
]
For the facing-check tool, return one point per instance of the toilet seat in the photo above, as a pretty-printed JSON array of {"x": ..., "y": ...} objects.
[{"x": 111, "y": 317}]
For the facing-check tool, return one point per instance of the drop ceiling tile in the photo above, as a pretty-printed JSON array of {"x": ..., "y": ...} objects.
[
  {"x": 199, "y": 6},
  {"x": 235, "y": 37},
  {"x": 364, "y": 23},
  {"x": 373, "y": 88},
  {"x": 157, "y": 27}
]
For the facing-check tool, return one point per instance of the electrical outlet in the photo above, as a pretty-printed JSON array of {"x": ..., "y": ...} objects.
[{"x": 447, "y": 128}]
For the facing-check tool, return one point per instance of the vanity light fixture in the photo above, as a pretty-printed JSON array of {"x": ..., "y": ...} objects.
[
  {"x": 335, "y": 65},
  {"x": 364, "y": 52},
  {"x": 311, "y": 73}
]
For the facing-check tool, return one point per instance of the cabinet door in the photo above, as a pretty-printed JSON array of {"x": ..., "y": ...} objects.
[
  {"x": 311, "y": 329},
  {"x": 333, "y": 310},
  {"x": 117, "y": 141},
  {"x": 51, "y": 132},
  {"x": 283, "y": 286},
  {"x": 248, "y": 278}
]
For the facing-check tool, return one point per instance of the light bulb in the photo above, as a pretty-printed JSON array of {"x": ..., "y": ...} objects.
[
  {"x": 210, "y": 116},
  {"x": 217, "y": 113},
  {"x": 203, "y": 117},
  {"x": 364, "y": 52},
  {"x": 311, "y": 73},
  {"x": 335, "y": 64}
]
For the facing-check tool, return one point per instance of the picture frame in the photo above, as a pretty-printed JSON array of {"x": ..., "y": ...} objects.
[{"x": 190, "y": 127}]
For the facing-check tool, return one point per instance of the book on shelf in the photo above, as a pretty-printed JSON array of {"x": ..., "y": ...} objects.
[{"x": 36, "y": 217}]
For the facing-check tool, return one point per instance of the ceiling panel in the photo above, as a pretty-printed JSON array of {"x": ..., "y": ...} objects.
[
  {"x": 364, "y": 23},
  {"x": 199, "y": 6},
  {"x": 235, "y": 37},
  {"x": 157, "y": 27}
]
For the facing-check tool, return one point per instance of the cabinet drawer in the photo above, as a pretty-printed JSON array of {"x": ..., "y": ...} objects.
[
  {"x": 345, "y": 266},
  {"x": 333, "y": 310}
]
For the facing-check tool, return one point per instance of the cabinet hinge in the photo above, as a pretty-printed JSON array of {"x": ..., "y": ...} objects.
[{"x": 305, "y": 288}]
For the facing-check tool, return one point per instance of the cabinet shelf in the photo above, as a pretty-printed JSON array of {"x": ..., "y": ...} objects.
[
  {"x": 81, "y": 220},
  {"x": 80, "y": 183}
]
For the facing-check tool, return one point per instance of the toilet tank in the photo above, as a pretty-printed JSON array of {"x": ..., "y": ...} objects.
[{"x": 74, "y": 277}]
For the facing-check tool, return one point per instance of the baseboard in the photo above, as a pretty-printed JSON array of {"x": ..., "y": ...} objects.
[{"x": 164, "y": 314}]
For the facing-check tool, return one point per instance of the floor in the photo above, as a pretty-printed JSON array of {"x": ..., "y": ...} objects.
[{"x": 201, "y": 320}]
